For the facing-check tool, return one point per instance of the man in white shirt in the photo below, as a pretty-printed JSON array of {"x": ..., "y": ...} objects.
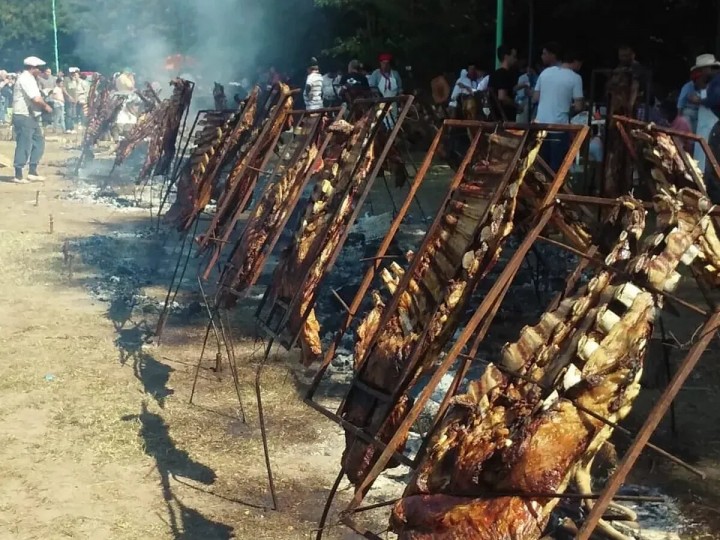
[
  {"x": 28, "y": 106},
  {"x": 313, "y": 87},
  {"x": 558, "y": 91}
]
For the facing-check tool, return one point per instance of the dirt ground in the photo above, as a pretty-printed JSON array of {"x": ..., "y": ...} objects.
[{"x": 97, "y": 436}]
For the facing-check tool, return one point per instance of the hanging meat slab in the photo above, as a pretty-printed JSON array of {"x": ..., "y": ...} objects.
[
  {"x": 510, "y": 435},
  {"x": 459, "y": 253},
  {"x": 326, "y": 217}
]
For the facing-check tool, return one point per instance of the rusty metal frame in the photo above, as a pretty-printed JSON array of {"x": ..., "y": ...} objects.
[
  {"x": 481, "y": 318},
  {"x": 185, "y": 247},
  {"x": 223, "y": 326},
  {"x": 489, "y": 307},
  {"x": 625, "y": 125},
  {"x": 179, "y": 166},
  {"x": 265, "y": 315},
  {"x": 226, "y": 207},
  {"x": 312, "y": 133}
]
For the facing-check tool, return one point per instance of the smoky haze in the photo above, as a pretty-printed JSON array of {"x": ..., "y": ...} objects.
[{"x": 223, "y": 36}]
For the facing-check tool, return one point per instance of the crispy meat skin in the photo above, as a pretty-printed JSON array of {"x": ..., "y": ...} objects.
[
  {"x": 507, "y": 434},
  {"x": 160, "y": 125},
  {"x": 216, "y": 143},
  {"x": 270, "y": 213},
  {"x": 326, "y": 217},
  {"x": 443, "y": 517},
  {"x": 461, "y": 252},
  {"x": 103, "y": 108}
]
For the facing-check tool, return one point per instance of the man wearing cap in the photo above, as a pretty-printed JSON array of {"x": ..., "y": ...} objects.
[
  {"x": 28, "y": 106},
  {"x": 711, "y": 102},
  {"x": 74, "y": 88}
]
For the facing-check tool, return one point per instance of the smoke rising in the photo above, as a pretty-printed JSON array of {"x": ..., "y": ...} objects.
[{"x": 224, "y": 37}]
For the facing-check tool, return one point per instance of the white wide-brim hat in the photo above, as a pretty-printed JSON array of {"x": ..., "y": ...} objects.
[
  {"x": 704, "y": 61},
  {"x": 33, "y": 61}
]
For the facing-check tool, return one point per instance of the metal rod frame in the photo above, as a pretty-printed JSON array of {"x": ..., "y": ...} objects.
[
  {"x": 489, "y": 306},
  {"x": 482, "y": 317},
  {"x": 371, "y": 131},
  {"x": 315, "y": 133},
  {"x": 227, "y": 208}
]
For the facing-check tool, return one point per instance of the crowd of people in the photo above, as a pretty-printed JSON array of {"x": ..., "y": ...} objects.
[
  {"x": 549, "y": 92},
  {"x": 36, "y": 98}
]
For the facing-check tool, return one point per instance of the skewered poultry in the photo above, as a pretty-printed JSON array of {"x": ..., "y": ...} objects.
[
  {"x": 216, "y": 143},
  {"x": 327, "y": 216},
  {"x": 522, "y": 439},
  {"x": 456, "y": 256}
]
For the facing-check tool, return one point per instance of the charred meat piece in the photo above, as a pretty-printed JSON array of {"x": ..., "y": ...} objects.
[
  {"x": 104, "y": 107},
  {"x": 216, "y": 144},
  {"x": 327, "y": 216},
  {"x": 507, "y": 434},
  {"x": 269, "y": 215},
  {"x": 457, "y": 255}
]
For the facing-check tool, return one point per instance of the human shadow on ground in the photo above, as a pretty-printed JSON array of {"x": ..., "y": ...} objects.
[
  {"x": 186, "y": 523},
  {"x": 153, "y": 375}
]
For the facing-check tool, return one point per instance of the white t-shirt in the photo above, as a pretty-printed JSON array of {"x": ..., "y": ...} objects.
[
  {"x": 26, "y": 89},
  {"x": 313, "y": 91},
  {"x": 559, "y": 87}
]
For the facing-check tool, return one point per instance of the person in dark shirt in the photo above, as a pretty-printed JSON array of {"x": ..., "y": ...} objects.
[
  {"x": 354, "y": 83},
  {"x": 503, "y": 81}
]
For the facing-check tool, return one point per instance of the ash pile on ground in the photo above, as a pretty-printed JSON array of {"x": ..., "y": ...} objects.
[
  {"x": 94, "y": 184},
  {"x": 121, "y": 264},
  {"x": 655, "y": 520}
]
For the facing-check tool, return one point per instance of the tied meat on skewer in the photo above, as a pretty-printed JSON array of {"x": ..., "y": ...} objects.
[
  {"x": 216, "y": 143},
  {"x": 326, "y": 217}
]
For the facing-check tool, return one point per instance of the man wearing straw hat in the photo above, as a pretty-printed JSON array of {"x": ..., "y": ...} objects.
[
  {"x": 28, "y": 105},
  {"x": 708, "y": 66},
  {"x": 689, "y": 99}
]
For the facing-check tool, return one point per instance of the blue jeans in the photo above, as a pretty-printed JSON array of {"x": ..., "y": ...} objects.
[
  {"x": 58, "y": 118},
  {"x": 29, "y": 142},
  {"x": 555, "y": 148}
]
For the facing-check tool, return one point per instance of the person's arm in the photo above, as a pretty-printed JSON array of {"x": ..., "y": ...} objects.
[
  {"x": 32, "y": 91},
  {"x": 578, "y": 101},
  {"x": 399, "y": 82},
  {"x": 374, "y": 79},
  {"x": 536, "y": 92}
]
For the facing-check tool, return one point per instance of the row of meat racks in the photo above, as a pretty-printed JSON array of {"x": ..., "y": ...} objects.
[{"x": 504, "y": 447}]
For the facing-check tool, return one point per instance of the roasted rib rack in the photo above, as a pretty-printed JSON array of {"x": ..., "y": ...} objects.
[
  {"x": 159, "y": 126},
  {"x": 521, "y": 431},
  {"x": 216, "y": 144},
  {"x": 287, "y": 306},
  {"x": 315, "y": 143},
  {"x": 163, "y": 145},
  {"x": 104, "y": 107},
  {"x": 398, "y": 343},
  {"x": 251, "y": 159}
]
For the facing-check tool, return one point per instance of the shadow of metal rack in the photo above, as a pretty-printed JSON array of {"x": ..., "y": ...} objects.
[
  {"x": 477, "y": 329},
  {"x": 182, "y": 163}
]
